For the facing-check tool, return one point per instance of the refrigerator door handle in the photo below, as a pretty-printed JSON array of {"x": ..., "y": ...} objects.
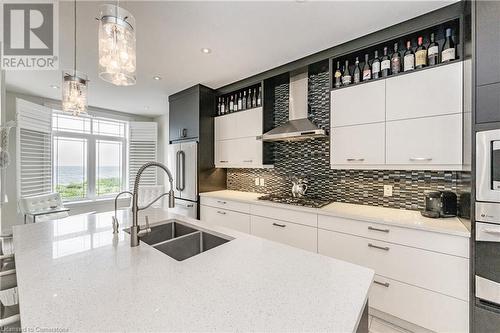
[
  {"x": 177, "y": 168},
  {"x": 182, "y": 176}
]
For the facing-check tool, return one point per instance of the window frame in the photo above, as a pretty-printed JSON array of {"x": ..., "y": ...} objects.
[{"x": 92, "y": 139}]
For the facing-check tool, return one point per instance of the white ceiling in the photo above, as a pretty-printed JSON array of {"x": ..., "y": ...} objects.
[{"x": 246, "y": 38}]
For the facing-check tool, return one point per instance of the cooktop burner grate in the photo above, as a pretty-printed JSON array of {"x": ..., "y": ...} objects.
[{"x": 312, "y": 202}]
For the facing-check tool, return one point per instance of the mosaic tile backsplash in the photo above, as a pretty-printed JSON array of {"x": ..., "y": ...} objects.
[{"x": 311, "y": 160}]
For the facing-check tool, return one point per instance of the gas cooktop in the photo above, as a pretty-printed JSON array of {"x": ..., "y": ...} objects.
[{"x": 312, "y": 202}]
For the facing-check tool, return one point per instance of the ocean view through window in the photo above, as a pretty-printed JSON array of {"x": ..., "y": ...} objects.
[{"x": 89, "y": 156}]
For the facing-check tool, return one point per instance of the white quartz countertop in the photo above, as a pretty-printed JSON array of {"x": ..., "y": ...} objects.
[
  {"x": 391, "y": 216},
  {"x": 75, "y": 274}
]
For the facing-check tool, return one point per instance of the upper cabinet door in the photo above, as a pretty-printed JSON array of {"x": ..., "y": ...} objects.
[
  {"x": 487, "y": 42},
  {"x": 184, "y": 117},
  {"x": 358, "y": 145},
  {"x": 358, "y": 104},
  {"x": 239, "y": 125},
  {"x": 425, "y": 142},
  {"x": 431, "y": 92}
]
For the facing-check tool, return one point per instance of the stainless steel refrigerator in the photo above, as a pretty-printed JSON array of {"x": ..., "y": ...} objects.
[{"x": 183, "y": 163}]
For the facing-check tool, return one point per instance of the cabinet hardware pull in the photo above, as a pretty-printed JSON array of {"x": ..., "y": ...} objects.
[
  {"x": 223, "y": 213},
  {"x": 383, "y": 284},
  {"x": 377, "y": 229},
  {"x": 221, "y": 202},
  {"x": 492, "y": 231},
  {"x": 248, "y": 161},
  {"x": 223, "y": 161},
  {"x": 420, "y": 159},
  {"x": 385, "y": 248},
  {"x": 279, "y": 225},
  {"x": 355, "y": 159}
]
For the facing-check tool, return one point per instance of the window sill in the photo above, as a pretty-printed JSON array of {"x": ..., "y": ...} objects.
[{"x": 86, "y": 202}]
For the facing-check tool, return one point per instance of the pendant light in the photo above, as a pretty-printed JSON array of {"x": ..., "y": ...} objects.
[
  {"x": 117, "y": 49},
  {"x": 74, "y": 85}
]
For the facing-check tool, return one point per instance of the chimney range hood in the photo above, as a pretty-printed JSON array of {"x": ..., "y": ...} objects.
[{"x": 298, "y": 127}]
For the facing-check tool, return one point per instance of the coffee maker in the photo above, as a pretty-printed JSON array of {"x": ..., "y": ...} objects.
[{"x": 440, "y": 204}]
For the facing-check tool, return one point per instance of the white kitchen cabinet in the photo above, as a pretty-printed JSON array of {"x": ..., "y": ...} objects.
[
  {"x": 434, "y": 311},
  {"x": 431, "y": 142},
  {"x": 362, "y": 105},
  {"x": 286, "y": 214},
  {"x": 293, "y": 234},
  {"x": 430, "y": 92},
  {"x": 225, "y": 218},
  {"x": 237, "y": 206},
  {"x": 358, "y": 145},
  {"x": 236, "y": 140}
]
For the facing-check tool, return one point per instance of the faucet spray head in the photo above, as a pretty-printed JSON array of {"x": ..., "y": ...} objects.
[{"x": 171, "y": 199}]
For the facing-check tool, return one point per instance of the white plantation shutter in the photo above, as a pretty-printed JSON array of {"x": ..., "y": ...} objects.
[
  {"x": 34, "y": 153},
  {"x": 142, "y": 149}
]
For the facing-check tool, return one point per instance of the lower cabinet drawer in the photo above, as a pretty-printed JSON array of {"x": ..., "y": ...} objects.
[
  {"x": 431, "y": 270},
  {"x": 285, "y": 232},
  {"x": 434, "y": 311},
  {"x": 225, "y": 218}
]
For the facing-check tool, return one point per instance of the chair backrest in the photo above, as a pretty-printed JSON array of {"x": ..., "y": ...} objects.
[
  {"x": 34, "y": 204},
  {"x": 149, "y": 192}
]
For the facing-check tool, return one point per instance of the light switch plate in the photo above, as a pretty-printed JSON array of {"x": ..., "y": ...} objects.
[
  {"x": 387, "y": 190},
  {"x": 257, "y": 182},
  {"x": 262, "y": 182}
]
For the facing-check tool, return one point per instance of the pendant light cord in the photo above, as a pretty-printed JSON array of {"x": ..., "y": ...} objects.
[{"x": 74, "y": 53}]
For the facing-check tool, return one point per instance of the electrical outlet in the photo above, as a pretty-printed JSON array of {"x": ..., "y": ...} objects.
[
  {"x": 387, "y": 190},
  {"x": 262, "y": 182},
  {"x": 257, "y": 182}
]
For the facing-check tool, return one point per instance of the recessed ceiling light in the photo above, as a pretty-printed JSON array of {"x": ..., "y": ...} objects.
[
  {"x": 206, "y": 50},
  {"x": 53, "y": 86},
  {"x": 157, "y": 77}
]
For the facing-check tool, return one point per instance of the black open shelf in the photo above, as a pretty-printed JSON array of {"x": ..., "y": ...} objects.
[
  {"x": 253, "y": 87},
  {"x": 439, "y": 31}
]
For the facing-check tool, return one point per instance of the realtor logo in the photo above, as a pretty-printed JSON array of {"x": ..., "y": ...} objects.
[{"x": 30, "y": 36}]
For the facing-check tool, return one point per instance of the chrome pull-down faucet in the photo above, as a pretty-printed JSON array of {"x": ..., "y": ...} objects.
[{"x": 137, "y": 231}]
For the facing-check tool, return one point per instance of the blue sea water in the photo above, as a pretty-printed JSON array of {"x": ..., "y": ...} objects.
[{"x": 75, "y": 174}]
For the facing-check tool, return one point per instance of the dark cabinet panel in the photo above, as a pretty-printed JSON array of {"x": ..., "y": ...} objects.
[
  {"x": 487, "y": 42},
  {"x": 488, "y": 103},
  {"x": 184, "y": 116},
  {"x": 486, "y": 319}
]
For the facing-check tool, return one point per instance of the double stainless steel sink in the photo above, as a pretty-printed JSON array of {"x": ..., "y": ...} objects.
[{"x": 181, "y": 240}]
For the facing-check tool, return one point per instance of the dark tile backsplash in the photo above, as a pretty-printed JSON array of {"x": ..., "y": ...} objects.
[{"x": 311, "y": 160}]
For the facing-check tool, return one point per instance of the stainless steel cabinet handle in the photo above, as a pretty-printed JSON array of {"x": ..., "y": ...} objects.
[
  {"x": 182, "y": 182},
  {"x": 279, "y": 225},
  {"x": 420, "y": 159},
  {"x": 383, "y": 284},
  {"x": 221, "y": 202},
  {"x": 355, "y": 159},
  {"x": 248, "y": 161},
  {"x": 177, "y": 168},
  {"x": 223, "y": 161},
  {"x": 385, "y": 248},
  {"x": 377, "y": 229},
  {"x": 223, "y": 213}
]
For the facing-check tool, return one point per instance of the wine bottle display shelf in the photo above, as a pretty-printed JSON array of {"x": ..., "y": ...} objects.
[
  {"x": 395, "y": 75},
  {"x": 233, "y": 112}
]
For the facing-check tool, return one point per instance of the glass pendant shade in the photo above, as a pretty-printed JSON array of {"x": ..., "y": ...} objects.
[
  {"x": 117, "y": 46},
  {"x": 74, "y": 92}
]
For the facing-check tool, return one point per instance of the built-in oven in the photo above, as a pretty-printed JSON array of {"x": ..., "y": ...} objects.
[{"x": 487, "y": 220}]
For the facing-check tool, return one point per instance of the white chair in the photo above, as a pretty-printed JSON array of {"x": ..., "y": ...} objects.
[
  {"x": 147, "y": 193},
  {"x": 44, "y": 207}
]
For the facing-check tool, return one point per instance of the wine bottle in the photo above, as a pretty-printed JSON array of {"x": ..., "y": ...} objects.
[
  {"x": 231, "y": 104},
  {"x": 235, "y": 104},
  {"x": 223, "y": 106},
  {"x": 254, "y": 98},
  {"x": 448, "y": 52},
  {"x": 346, "y": 78},
  {"x": 219, "y": 107},
  {"x": 408, "y": 58},
  {"x": 420, "y": 54},
  {"x": 244, "y": 100},
  {"x": 385, "y": 65},
  {"x": 357, "y": 72},
  {"x": 338, "y": 76},
  {"x": 376, "y": 66},
  {"x": 259, "y": 98},
  {"x": 433, "y": 52},
  {"x": 367, "y": 71},
  {"x": 249, "y": 99},
  {"x": 396, "y": 60},
  {"x": 240, "y": 102}
]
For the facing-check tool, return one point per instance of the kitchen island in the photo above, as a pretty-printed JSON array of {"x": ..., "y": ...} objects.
[{"x": 75, "y": 274}]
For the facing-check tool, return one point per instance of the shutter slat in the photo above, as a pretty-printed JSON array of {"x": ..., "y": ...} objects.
[{"x": 142, "y": 149}]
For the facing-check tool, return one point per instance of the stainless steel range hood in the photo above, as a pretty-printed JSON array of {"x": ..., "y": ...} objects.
[{"x": 298, "y": 127}]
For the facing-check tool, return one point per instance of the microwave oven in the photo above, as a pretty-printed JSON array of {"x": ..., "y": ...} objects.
[{"x": 488, "y": 166}]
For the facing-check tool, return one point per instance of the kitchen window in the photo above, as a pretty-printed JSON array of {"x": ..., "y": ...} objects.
[{"x": 89, "y": 156}]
